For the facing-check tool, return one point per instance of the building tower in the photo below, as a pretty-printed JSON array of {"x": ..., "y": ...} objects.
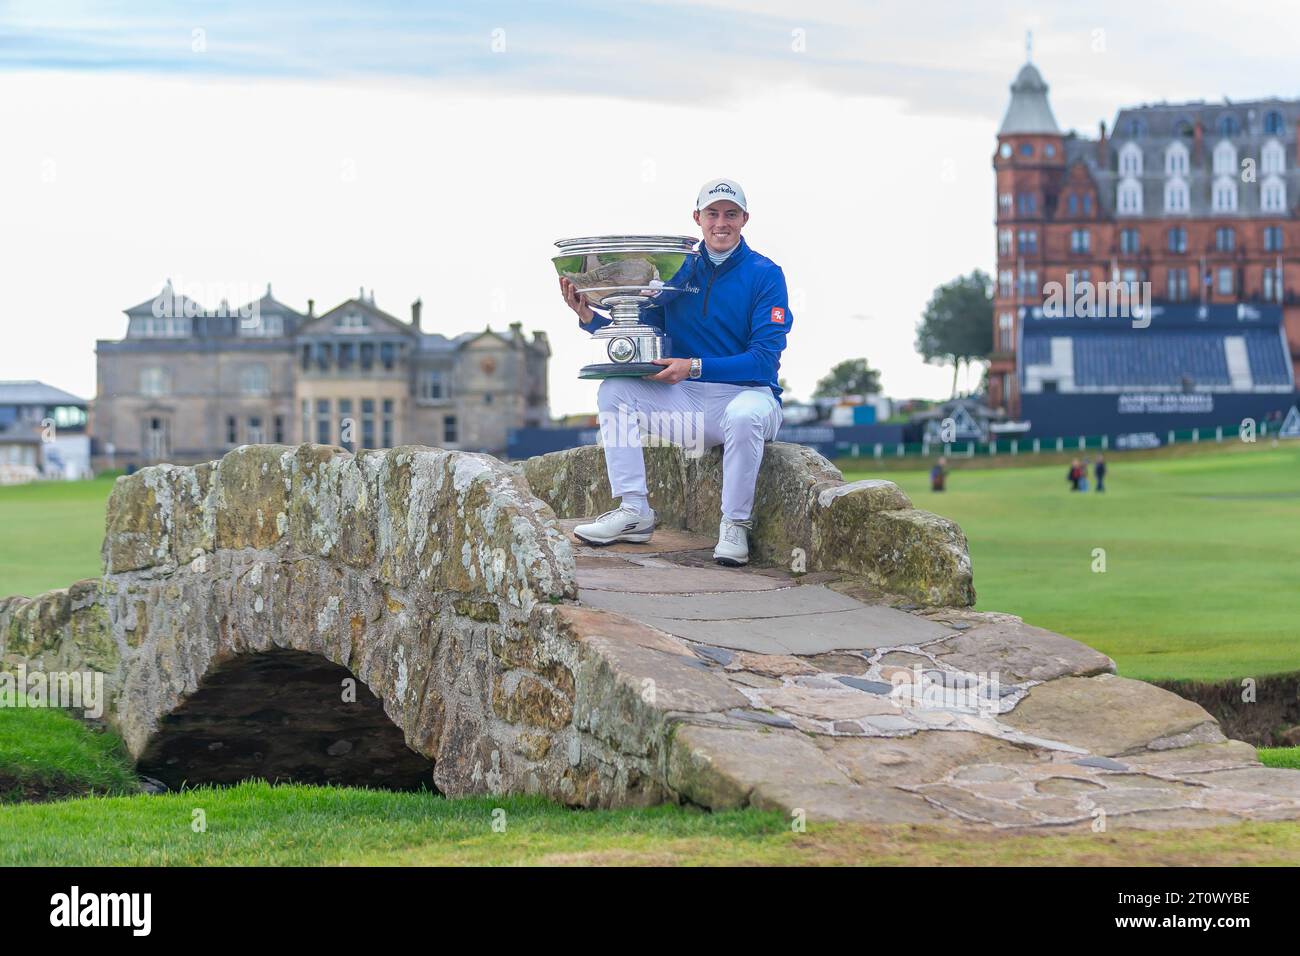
[{"x": 1029, "y": 166}]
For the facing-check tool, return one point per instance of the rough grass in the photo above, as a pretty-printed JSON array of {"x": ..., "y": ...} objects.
[
  {"x": 1201, "y": 557},
  {"x": 46, "y": 754},
  {"x": 258, "y": 824}
]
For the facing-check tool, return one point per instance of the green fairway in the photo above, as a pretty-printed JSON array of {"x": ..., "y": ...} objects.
[
  {"x": 1202, "y": 557},
  {"x": 50, "y": 533}
]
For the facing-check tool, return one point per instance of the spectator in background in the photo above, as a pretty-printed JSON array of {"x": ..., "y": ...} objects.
[
  {"x": 1072, "y": 476},
  {"x": 938, "y": 474},
  {"x": 1100, "y": 470},
  {"x": 1083, "y": 474}
]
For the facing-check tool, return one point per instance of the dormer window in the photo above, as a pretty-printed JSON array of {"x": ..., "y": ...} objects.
[
  {"x": 1176, "y": 162},
  {"x": 352, "y": 322},
  {"x": 1273, "y": 123},
  {"x": 1130, "y": 160},
  {"x": 1272, "y": 195},
  {"x": 1272, "y": 158},
  {"x": 1225, "y": 194},
  {"x": 1176, "y": 195},
  {"x": 1225, "y": 159}
]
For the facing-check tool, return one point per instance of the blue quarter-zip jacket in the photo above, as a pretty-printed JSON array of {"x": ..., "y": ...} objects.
[{"x": 734, "y": 317}]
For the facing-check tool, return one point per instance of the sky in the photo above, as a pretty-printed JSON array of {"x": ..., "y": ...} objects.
[{"x": 436, "y": 151}]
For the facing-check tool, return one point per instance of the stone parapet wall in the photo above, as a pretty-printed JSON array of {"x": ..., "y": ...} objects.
[{"x": 804, "y": 514}]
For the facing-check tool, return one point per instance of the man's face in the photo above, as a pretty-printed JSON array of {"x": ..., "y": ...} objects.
[{"x": 721, "y": 222}]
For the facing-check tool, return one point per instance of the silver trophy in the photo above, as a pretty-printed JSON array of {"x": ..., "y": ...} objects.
[{"x": 621, "y": 274}]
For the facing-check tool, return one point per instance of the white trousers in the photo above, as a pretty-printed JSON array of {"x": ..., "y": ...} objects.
[{"x": 695, "y": 415}]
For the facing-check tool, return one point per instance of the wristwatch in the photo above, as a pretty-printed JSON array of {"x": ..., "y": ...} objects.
[{"x": 696, "y": 368}]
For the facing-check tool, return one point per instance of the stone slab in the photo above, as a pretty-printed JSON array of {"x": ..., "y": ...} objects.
[
  {"x": 726, "y": 606},
  {"x": 805, "y": 634},
  {"x": 638, "y": 579},
  {"x": 1108, "y": 715}
]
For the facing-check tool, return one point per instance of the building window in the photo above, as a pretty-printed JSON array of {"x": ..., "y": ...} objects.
[
  {"x": 151, "y": 327},
  {"x": 1225, "y": 239},
  {"x": 1273, "y": 123},
  {"x": 431, "y": 384},
  {"x": 154, "y": 381},
  {"x": 263, "y": 326},
  {"x": 306, "y": 358},
  {"x": 347, "y": 355},
  {"x": 388, "y": 423},
  {"x": 1006, "y": 330},
  {"x": 255, "y": 436},
  {"x": 323, "y": 421},
  {"x": 1225, "y": 195},
  {"x": 1049, "y": 150},
  {"x": 1225, "y": 281},
  {"x": 1272, "y": 238},
  {"x": 1004, "y": 204},
  {"x": 1027, "y": 240},
  {"x": 1087, "y": 204},
  {"x": 1026, "y": 204},
  {"x": 232, "y": 430},
  {"x": 1026, "y": 149},
  {"x": 1272, "y": 285},
  {"x": 368, "y": 422},
  {"x": 1129, "y": 242},
  {"x": 1178, "y": 239},
  {"x": 1178, "y": 285},
  {"x": 1225, "y": 159},
  {"x": 351, "y": 322},
  {"x": 367, "y": 358},
  {"x": 279, "y": 429},
  {"x": 1004, "y": 242},
  {"x": 1130, "y": 160},
  {"x": 449, "y": 431},
  {"x": 1228, "y": 126},
  {"x": 1006, "y": 281},
  {"x": 1176, "y": 195},
  {"x": 253, "y": 380},
  {"x": 1272, "y": 197},
  {"x": 306, "y": 420},
  {"x": 1272, "y": 158},
  {"x": 387, "y": 355},
  {"x": 1080, "y": 240},
  {"x": 1028, "y": 283},
  {"x": 1130, "y": 197},
  {"x": 1176, "y": 159},
  {"x": 1072, "y": 204},
  {"x": 347, "y": 426}
]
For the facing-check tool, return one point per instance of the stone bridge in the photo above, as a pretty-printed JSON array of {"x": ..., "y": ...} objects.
[{"x": 421, "y": 617}]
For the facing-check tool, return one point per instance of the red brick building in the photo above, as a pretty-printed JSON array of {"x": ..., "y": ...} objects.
[{"x": 1195, "y": 198}]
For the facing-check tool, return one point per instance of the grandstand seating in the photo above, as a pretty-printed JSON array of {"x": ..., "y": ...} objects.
[
  {"x": 1138, "y": 358},
  {"x": 1268, "y": 359}
]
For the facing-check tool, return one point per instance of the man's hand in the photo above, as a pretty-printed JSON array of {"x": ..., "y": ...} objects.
[
  {"x": 675, "y": 369},
  {"x": 574, "y": 299}
]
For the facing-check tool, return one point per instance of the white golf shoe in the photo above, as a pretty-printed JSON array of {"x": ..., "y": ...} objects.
[
  {"x": 621, "y": 524},
  {"x": 733, "y": 543}
]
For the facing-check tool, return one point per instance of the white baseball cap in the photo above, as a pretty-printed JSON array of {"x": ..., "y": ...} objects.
[{"x": 718, "y": 189}]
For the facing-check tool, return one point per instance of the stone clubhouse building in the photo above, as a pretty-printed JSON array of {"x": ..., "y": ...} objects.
[{"x": 188, "y": 384}]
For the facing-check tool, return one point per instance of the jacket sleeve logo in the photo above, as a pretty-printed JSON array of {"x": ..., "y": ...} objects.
[{"x": 778, "y": 315}]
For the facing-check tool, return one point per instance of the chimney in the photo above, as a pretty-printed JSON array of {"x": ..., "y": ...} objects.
[
  {"x": 311, "y": 308},
  {"x": 1198, "y": 143},
  {"x": 415, "y": 314},
  {"x": 1102, "y": 158}
]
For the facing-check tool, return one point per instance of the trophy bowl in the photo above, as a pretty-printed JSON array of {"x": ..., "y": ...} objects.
[{"x": 623, "y": 274}]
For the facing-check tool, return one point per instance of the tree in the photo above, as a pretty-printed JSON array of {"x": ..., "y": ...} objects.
[
  {"x": 957, "y": 325},
  {"x": 851, "y": 377}
]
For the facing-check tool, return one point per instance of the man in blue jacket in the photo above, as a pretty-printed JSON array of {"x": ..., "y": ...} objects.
[{"x": 727, "y": 327}]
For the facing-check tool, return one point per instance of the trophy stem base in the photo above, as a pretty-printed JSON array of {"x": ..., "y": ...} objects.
[{"x": 620, "y": 370}]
